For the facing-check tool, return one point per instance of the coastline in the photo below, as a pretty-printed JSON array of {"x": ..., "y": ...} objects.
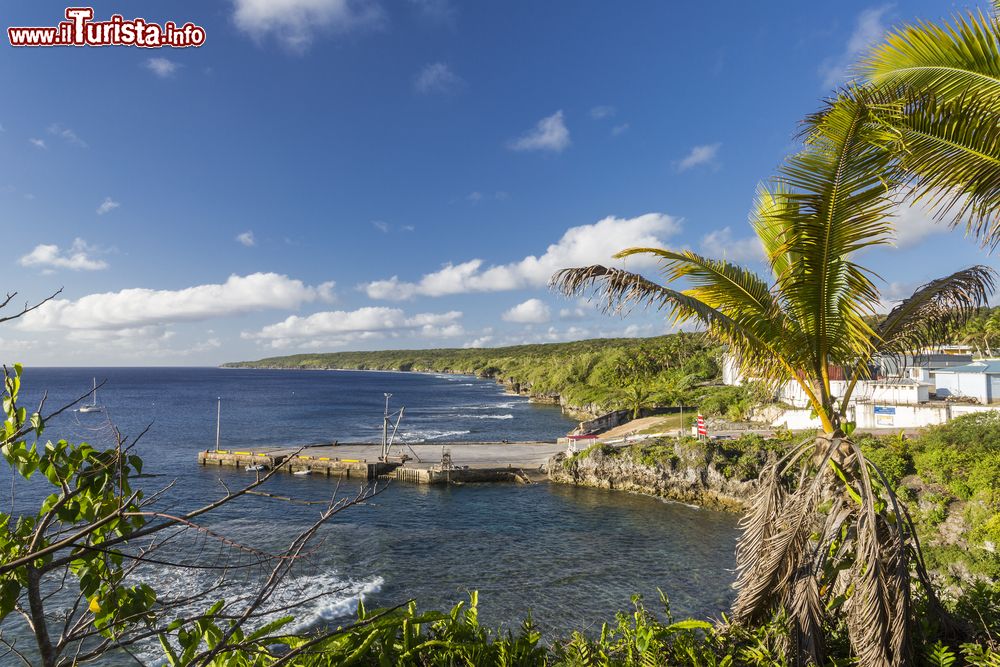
[
  {"x": 688, "y": 477},
  {"x": 576, "y": 412}
]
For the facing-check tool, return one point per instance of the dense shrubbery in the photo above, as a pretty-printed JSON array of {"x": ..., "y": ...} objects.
[
  {"x": 962, "y": 460},
  {"x": 957, "y": 469},
  {"x": 640, "y": 637},
  {"x": 406, "y": 636}
]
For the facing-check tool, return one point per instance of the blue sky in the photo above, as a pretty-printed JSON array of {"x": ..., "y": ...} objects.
[{"x": 329, "y": 174}]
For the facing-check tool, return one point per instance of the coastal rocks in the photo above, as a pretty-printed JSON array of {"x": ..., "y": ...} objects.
[
  {"x": 518, "y": 388},
  {"x": 681, "y": 472}
]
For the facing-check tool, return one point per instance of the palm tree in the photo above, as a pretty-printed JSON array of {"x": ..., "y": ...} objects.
[{"x": 825, "y": 535}]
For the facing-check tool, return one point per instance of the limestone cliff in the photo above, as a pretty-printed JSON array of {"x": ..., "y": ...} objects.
[{"x": 684, "y": 471}]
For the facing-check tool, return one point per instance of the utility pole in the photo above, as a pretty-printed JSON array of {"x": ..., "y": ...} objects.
[{"x": 218, "y": 423}]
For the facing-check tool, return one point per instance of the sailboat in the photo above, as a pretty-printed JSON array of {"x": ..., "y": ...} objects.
[{"x": 93, "y": 407}]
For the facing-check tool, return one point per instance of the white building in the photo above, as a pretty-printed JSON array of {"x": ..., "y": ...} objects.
[
  {"x": 904, "y": 391},
  {"x": 979, "y": 380},
  {"x": 900, "y": 395}
]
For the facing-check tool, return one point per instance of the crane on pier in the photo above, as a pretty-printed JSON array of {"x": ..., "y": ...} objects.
[{"x": 387, "y": 437}]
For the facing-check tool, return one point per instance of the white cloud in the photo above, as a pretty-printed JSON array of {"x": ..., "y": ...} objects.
[
  {"x": 37, "y": 143},
  {"x": 720, "y": 244},
  {"x": 408, "y": 228},
  {"x": 436, "y": 78},
  {"x": 699, "y": 155},
  {"x": 532, "y": 311},
  {"x": 476, "y": 196},
  {"x": 913, "y": 223},
  {"x": 340, "y": 327},
  {"x": 619, "y": 130},
  {"x": 162, "y": 67},
  {"x": 868, "y": 29},
  {"x": 381, "y": 225},
  {"x": 294, "y": 23},
  {"x": 482, "y": 341},
  {"x": 549, "y": 134},
  {"x": 601, "y": 112},
  {"x": 246, "y": 238},
  {"x": 139, "y": 307},
  {"x": 107, "y": 206},
  {"x": 67, "y": 135},
  {"x": 441, "y": 11},
  {"x": 578, "y": 313},
  {"x": 76, "y": 258},
  {"x": 585, "y": 244}
]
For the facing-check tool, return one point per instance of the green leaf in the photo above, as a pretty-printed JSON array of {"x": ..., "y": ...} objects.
[{"x": 690, "y": 624}]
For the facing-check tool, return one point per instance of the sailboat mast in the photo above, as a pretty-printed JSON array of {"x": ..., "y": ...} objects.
[
  {"x": 218, "y": 423},
  {"x": 385, "y": 429}
]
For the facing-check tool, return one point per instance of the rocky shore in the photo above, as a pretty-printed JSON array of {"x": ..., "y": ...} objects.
[{"x": 681, "y": 471}]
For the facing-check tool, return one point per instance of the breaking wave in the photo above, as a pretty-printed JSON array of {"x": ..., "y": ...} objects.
[
  {"x": 328, "y": 597},
  {"x": 424, "y": 436}
]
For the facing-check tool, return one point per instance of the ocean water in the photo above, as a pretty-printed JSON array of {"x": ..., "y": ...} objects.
[{"x": 570, "y": 556}]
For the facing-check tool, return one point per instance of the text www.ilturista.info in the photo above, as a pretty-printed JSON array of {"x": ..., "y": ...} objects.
[{"x": 81, "y": 30}]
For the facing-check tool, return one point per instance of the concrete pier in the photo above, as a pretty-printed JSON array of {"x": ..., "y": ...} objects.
[{"x": 472, "y": 462}]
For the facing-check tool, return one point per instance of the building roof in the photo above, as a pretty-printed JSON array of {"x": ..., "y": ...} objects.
[
  {"x": 895, "y": 382},
  {"x": 989, "y": 366}
]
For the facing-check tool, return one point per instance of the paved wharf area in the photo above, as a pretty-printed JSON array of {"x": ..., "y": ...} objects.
[{"x": 470, "y": 461}]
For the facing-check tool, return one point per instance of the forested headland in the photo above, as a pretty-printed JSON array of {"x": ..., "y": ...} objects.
[{"x": 587, "y": 376}]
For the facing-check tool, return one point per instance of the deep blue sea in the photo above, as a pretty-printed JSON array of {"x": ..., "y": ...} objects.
[{"x": 571, "y": 556}]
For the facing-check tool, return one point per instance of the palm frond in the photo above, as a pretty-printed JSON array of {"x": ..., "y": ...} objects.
[
  {"x": 929, "y": 315},
  {"x": 769, "y": 560},
  {"x": 720, "y": 284},
  {"x": 877, "y": 618},
  {"x": 770, "y": 207},
  {"x": 951, "y": 150},
  {"x": 955, "y": 60},
  {"x": 618, "y": 291},
  {"x": 807, "y": 617},
  {"x": 839, "y": 189}
]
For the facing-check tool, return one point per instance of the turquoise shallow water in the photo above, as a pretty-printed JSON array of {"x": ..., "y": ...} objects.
[{"x": 571, "y": 556}]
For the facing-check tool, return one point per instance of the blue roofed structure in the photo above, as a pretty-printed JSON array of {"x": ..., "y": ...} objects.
[{"x": 979, "y": 380}]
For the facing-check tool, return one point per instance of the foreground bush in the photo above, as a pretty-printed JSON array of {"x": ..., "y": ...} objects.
[{"x": 407, "y": 637}]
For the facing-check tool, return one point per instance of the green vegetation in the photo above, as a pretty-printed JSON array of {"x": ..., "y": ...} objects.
[
  {"x": 588, "y": 375},
  {"x": 981, "y": 332},
  {"x": 642, "y": 637}
]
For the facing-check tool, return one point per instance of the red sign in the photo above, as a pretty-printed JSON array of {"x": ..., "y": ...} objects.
[{"x": 702, "y": 428}]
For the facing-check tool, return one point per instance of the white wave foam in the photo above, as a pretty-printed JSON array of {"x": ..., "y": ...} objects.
[
  {"x": 506, "y": 405},
  {"x": 507, "y": 416},
  {"x": 338, "y": 597},
  {"x": 330, "y": 597},
  {"x": 423, "y": 436}
]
